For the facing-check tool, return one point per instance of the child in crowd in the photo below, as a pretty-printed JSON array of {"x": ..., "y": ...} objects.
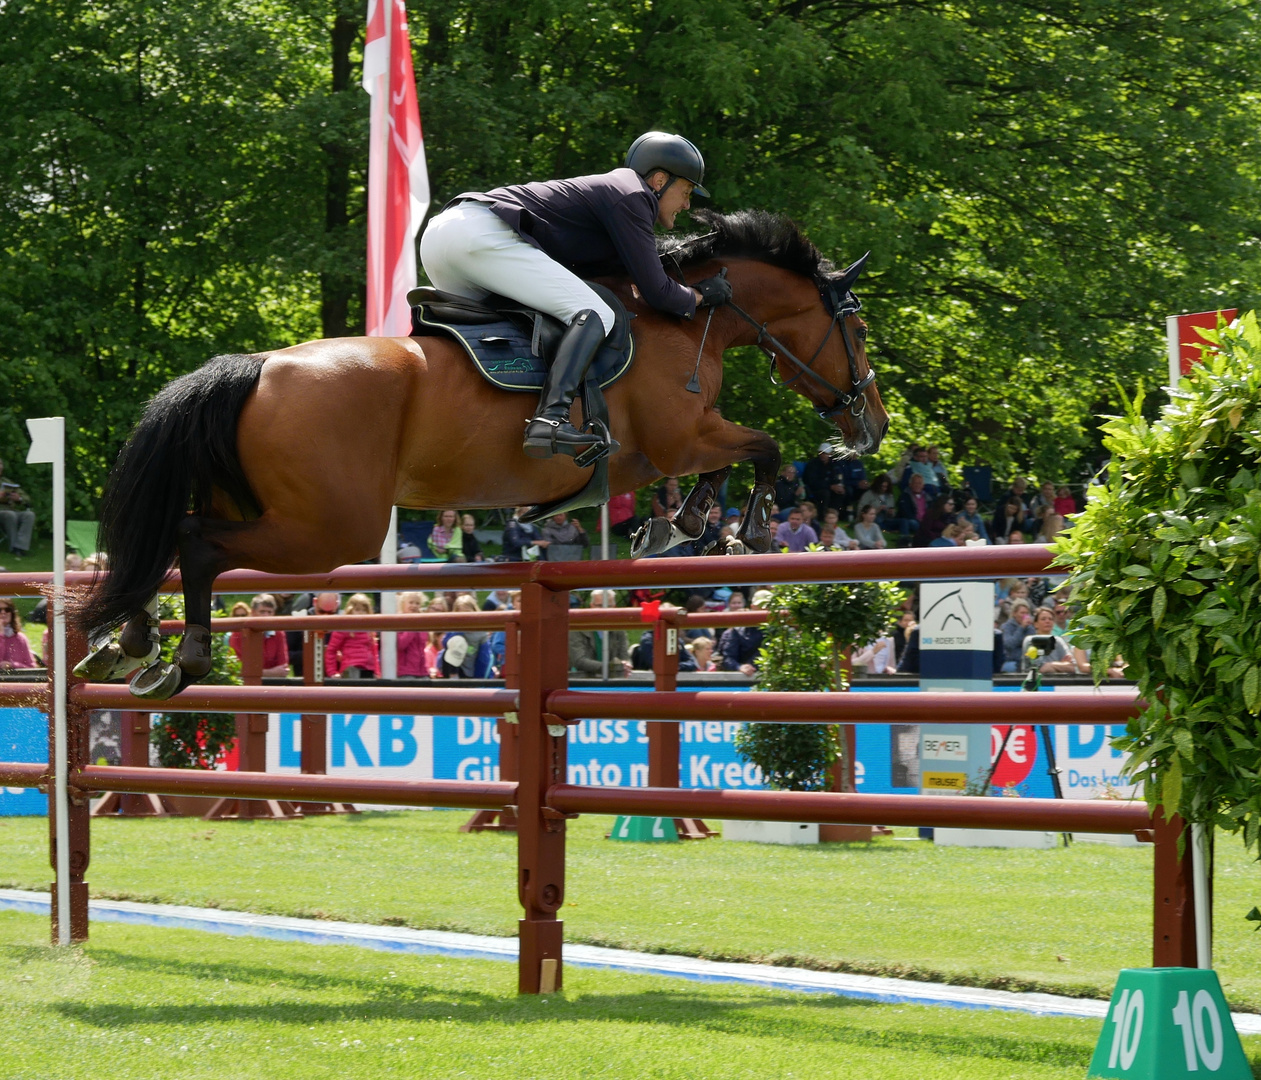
[
  {"x": 353, "y": 655},
  {"x": 412, "y": 643}
]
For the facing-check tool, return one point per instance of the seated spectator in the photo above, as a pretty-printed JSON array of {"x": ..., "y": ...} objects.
[
  {"x": 444, "y": 531},
  {"x": 739, "y": 645},
  {"x": 1052, "y": 525},
  {"x": 827, "y": 539},
  {"x": 919, "y": 465},
  {"x": 878, "y": 656},
  {"x": 854, "y": 477},
  {"x": 667, "y": 499},
  {"x": 411, "y": 644},
  {"x": 823, "y": 480},
  {"x": 936, "y": 518},
  {"x": 522, "y": 542},
  {"x": 497, "y": 600},
  {"x": 842, "y": 541},
  {"x": 795, "y": 535},
  {"x": 15, "y": 650},
  {"x": 325, "y": 603},
  {"x": 240, "y": 610},
  {"x": 1043, "y": 500},
  {"x": 810, "y": 514},
  {"x": 562, "y": 529},
  {"x": 499, "y": 639},
  {"x": 933, "y": 455},
  {"x": 949, "y": 537},
  {"x": 1019, "y": 490},
  {"x": 712, "y": 533},
  {"x": 465, "y": 653},
  {"x": 912, "y": 506},
  {"x": 1060, "y": 611},
  {"x": 789, "y": 490},
  {"x": 867, "y": 534},
  {"x": 695, "y": 604},
  {"x": 1015, "y": 630},
  {"x": 702, "y": 650},
  {"x": 586, "y": 654},
  {"x": 881, "y": 497},
  {"x": 433, "y": 649},
  {"x": 16, "y": 516},
  {"x": 622, "y": 517},
  {"x": 970, "y": 513},
  {"x": 464, "y": 547},
  {"x": 275, "y": 645},
  {"x": 736, "y": 601},
  {"x": 901, "y": 629},
  {"x": 1064, "y": 504},
  {"x": 353, "y": 654},
  {"x": 1016, "y": 537},
  {"x": 1060, "y": 660},
  {"x": 1008, "y": 518}
]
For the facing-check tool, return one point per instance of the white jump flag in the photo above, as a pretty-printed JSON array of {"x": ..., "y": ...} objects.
[{"x": 48, "y": 446}]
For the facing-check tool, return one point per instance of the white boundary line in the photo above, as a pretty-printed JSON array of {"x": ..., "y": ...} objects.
[{"x": 480, "y": 947}]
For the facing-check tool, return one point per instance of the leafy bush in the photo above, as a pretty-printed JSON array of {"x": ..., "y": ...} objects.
[
  {"x": 1165, "y": 565},
  {"x": 809, "y": 628},
  {"x": 196, "y": 740}
]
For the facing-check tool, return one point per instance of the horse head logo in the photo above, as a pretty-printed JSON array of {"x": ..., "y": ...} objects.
[{"x": 949, "y": 607}]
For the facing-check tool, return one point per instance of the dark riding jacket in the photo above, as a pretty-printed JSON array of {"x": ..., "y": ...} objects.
[{"x": 591, "y": 221}]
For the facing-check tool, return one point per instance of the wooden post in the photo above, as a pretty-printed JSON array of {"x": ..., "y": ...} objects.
[
  {"x": 133, "y": 745},
  {"x": 1173, "y": 900},
  {"x": 78, "y": 724},
  {"x": 251, "y": 741},
  {"x": 663, "y": 736},
  {"x": 314, "y": 726},
  {"x": 504, "y": 820},
  {"x": 543, "y": 762},
  {"x": 842, "y": 771}
]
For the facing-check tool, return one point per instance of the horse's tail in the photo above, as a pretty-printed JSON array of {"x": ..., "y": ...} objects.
[{"x": 183, "y": 447}]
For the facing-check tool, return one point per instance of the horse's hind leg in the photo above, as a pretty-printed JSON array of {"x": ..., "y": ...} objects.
[
  {"x": 137, "y": 646},
  {"x": 201, "y": 561}
]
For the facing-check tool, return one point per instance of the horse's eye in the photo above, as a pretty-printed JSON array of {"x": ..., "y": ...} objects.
[{"x": 862, "y": 333}]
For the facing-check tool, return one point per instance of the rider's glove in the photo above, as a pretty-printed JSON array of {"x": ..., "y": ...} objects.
[{"x": 714, "y": 290}]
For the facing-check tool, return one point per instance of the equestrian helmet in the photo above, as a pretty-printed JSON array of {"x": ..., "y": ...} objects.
[{"x": 676, "y": 155}]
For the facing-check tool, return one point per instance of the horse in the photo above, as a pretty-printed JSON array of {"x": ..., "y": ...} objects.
[{"x": 291, "y": 461}]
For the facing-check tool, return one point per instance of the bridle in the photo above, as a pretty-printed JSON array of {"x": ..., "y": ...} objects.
[{"x": 840, "y": 307}]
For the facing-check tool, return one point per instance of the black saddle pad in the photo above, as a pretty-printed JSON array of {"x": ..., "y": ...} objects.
[{"x": 511, "y": 345}]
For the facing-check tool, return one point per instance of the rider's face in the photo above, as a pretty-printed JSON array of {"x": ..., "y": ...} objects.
[{"x": 677, "y": 196}]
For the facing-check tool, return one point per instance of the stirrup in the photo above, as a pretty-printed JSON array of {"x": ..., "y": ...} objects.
[
  {"x": 538, "y": 448},
  {"x": 606, "y": 446}
]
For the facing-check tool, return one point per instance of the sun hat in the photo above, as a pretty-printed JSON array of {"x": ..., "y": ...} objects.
[{"x": 761, "y": 598}]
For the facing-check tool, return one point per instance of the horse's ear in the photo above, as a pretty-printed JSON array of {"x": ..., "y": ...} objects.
[{"x": 851, "y": 274}]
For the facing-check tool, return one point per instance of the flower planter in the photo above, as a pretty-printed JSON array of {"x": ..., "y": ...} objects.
[
  {"x": 1003, "y": 838},
  {"x": 771, "y": 832}
]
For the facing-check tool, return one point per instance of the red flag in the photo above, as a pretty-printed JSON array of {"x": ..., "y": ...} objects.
[
  {"x": 650, "y": 611},
  {"x": 398, "y": 183}
]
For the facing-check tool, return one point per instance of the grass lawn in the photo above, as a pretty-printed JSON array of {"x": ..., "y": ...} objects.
[
  {"x": 1065, "y": 919},
  {"x": 142, "y": 1002}
]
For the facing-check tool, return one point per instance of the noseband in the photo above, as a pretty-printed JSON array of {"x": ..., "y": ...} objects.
[{"x": 841, "y": 307}]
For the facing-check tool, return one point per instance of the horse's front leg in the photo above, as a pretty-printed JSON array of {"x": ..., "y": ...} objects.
[
  {"x": 659, "y": 534},
  {"x": 755, "y": 529}
]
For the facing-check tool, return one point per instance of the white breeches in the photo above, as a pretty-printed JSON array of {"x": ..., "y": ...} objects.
[{"x": 470, "y": 251}]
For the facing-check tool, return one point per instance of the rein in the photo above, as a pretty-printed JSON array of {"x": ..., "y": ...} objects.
[{"x": 840, "y": 307}]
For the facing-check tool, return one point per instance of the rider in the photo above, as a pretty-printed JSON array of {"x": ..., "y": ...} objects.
[{"x": 524, "y": 241}]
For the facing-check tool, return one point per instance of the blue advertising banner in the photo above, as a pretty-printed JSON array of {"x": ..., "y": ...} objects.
[{"x": 23, "y": 737}]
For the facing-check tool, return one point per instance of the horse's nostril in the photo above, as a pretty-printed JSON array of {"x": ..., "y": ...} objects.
[{"x": 884, "y": 430}]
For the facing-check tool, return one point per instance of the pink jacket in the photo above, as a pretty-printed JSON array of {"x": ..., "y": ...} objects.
[
  {"x": 351, "y": 650},
  {"x": 16, "y": 650},
  {"x": 411, "y": 653}
]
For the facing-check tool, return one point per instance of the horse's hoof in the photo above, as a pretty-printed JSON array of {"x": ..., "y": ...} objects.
[
  {"x": 193, "y": 656},
  {"x": 157, "y": 683},
  {"x": 653, "y": 537},
  {"x": 110, "y": 662}
]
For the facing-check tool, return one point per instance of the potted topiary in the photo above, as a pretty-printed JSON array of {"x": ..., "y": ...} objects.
[
  {"x": 1165, "y": 574},
  {"x": 811, "y": 628},
  {"x": 195, "y": 740}
]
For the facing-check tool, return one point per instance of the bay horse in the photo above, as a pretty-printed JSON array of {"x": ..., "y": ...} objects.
[{"x": 290, "y": 461}]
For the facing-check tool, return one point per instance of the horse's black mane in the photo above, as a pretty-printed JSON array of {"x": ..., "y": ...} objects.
[{"x": 754, "y": 234}]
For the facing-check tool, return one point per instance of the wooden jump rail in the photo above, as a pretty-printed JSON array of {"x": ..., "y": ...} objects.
[{"x": 538, "y": 698}]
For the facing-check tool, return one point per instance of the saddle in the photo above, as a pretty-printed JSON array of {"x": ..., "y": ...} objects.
[{"x": 512, "y": 345}]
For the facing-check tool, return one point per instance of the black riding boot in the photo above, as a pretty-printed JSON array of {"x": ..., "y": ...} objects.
[{"x": 550, "y": 431}]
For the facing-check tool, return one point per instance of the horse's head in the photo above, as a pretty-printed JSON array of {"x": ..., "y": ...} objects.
[{"x": 824, "y": 358}]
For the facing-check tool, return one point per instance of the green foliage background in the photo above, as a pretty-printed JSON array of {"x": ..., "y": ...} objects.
[
  {"x": 1166, "y": 562},
  {"x": 810, "y": 625},
  {"x": 1039, "y": 184}
]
